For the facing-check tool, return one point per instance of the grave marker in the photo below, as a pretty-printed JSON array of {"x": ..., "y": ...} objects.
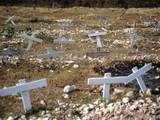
[
  {"x": 10, "y": 20},
  {"x": 140, "y": 80},
  {"x": 50, "y": 54},
  {"x": 31, "y": 39},
  {"x": 157, "y": 26},
  {"x": 23, "y": 88},
  {"x": 106, "y": 87},
  {"x": 63, "y": 40},
  {"x": 107, "y": 79},
  {"x": 64, "y": 23},
  {"x": 132, "y": 35},
  {"x": 97, "y": 35}
]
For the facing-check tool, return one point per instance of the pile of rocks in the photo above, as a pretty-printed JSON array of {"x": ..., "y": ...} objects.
[{"x": 122, "y": 109}]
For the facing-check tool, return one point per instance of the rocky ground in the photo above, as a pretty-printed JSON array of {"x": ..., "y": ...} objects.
[
  {"x": 127, "y": 108},
  {"x": 74, "y": 67}
]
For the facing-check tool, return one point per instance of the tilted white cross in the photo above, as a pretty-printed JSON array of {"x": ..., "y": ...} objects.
[
  {"x": 97, "y": 34},
  {"x": 107, "y": 79},
  {"x": 157, "y": 26},
  {"x": 23, "y": 88},
  {"x": 149, "y": 23},
  {"x": 50, "y": 54},
  {"x": 31, "y": 39},
  {"x": 10, "y": 20}
]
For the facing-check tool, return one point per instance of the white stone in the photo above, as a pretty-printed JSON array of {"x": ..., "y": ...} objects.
[
  {"x": 51, "y": 71},
  {"x": 118, "y": 90},
  {"x": 23, "y": 117},
  {"x": 87, "y": 108},
  {"x": 42, "y": 102},
  {"x": 110, "y": 107},
  {"x": 33, "y": 118},
  {"x": 148, "y": 92},
  {"x": 75, "y": 66},
  {"x": 136, "y": 103},
  {"x": 68, "y": 88},
  {"x": 43, "y": 113},
  {"x": 141, "y": 101},
  {"x": 148, "y": 100},
  {"x": 10, "y": 118},
  {"x": 65, "y": 96},
  {"x": 157, "y": 77},
  {"x": 129, "y": 94},
  {"x": 125, "y": 100},
  {"x": 133, "y": 107},
  {"x": 69, "y": 62},
  {"x": 39, "y": 118},
  {"x": 102, "y": 105},
  {"x": 91, "y": 106}
]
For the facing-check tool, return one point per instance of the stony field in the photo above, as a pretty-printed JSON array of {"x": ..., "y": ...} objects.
[{"x": 74, "y": 67}]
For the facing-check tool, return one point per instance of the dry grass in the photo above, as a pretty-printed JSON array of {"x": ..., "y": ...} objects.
[{"x": 63, "y": 76}]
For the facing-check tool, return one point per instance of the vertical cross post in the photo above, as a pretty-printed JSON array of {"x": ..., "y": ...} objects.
[
  {"x": 99, "y": 43},
  {"x": 140, "y": 80},
  {"x": 26, "y": 101},
  {"x": 106, "y": 88}
]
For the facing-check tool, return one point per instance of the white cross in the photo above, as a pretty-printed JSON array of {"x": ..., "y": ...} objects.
[
  {"x": 132, "y": 35},
  {"x": 23, "y": 88},
  {"x": 31, "y": 39},
  {"x": 106, "y": 88},
  {"x": 157, "y": 26},
  {"x": 149, "y": 23},
  {"x": 63, "y": 23},
  {"x": 140, "y": 80},
  {"x": 10, "y": 20},
  {"x": 63, "y": 40},
  {"x": 97, "y": 34},
  {"x": 50, "y": 54},
  {"x": 107, "y": 79}
]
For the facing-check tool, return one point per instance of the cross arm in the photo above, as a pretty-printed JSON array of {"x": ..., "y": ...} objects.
[
  {"x": 8, "y": 91},
  {"x": 37, "y": 39},
  {"x": 140, "y": 72},
  {"x": 23, "y": 87},
  {"x": 122, "y": 79},
  {"x": 107, "y": 80}
]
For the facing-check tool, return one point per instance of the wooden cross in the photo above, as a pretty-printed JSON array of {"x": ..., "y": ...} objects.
[
  {"x": 31, "y": 39},
  {"x": 10, "y": 20},
  {"x": 157, "y": 26},
  {"x": 63, "y": 40},
  {"x": 97, "y": 34},
  {"x": 50, "y": 54},
  {"x": 23, "y": 88},
  {"x": 132, "y": 35},
  {"x": 64, "y": 23},
  {"x": 107, "y": 80}
]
